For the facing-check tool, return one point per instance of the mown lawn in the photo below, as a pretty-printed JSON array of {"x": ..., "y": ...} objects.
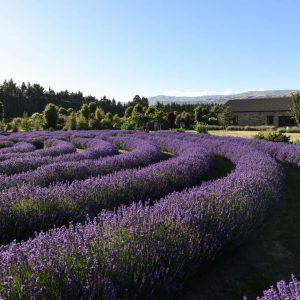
[
  {"x": 248, "y": 134},
  {"x": 269, "y": 255}
]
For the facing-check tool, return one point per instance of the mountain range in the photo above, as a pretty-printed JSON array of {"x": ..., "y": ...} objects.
[{"x": 220, "y": 98}]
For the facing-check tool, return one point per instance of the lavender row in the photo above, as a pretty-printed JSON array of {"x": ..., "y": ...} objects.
[
  {"x": 94, "y": 150},
  {"x": 141, "y": 153},
  {"x": 282, "y": 291},
  {"x": 142, "y": 251},
  {"x": 283, "y": 152},
  {"x": 53, "y": 148},
  {"x": 26, "y": 208}
]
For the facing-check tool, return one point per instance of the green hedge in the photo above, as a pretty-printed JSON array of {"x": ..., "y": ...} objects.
[
  {"x": 250, "y": 128},
  {"x": 289, "y": 129}
]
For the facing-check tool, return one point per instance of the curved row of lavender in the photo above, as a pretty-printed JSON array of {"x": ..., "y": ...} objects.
[
  {"x": 27, "y": 208},
  {"x": 140, "y": 153},
  {"x": 58, "y": 152},
  {"x": 145, "y": 249},
  {"x": 282, "y": 291},
  {"x": 282, "y": 152}
]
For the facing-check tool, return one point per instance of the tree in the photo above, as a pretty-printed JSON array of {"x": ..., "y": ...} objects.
[
  {"x": 159, "y": 115},
  {"x": 179, "y": 120},
  {"x": 137, "y": 100},
  {"x": 138, "y": 115},
  {"x": 128, "y": 112},
  {"x": 187, "y": 118},
  {"x": 106, "y": 123},
  {"x": 200, "y": 114},
  {"x": 295, "y": 108},
  {"x": 37, "y": 121},
  {"x": 71, "y": 122},
  {"x": 62, "y": 111},
  {"x": 25, "y": 122},
  {"x": 51, "y": 116},
  {"x": 85, "y": 111},
  {"x": 116, "y": 122},
  {"x": 92, "y": 107},
  {"x": 99, "y": 113},
  {"x": 1, "y": 112},
  {"x": 171, "y": 119},
  {"x": 226, "y": 115},
  {"x": 70, "y": 111},
  {"x": 109, "y": 116}
]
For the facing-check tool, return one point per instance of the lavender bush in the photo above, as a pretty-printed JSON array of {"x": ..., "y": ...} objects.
[
  {"x": 153, "y": 221},
  {"x": 282, "y": 291}
]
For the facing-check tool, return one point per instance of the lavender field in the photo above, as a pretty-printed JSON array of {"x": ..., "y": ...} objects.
[{"x": 128, "y": 214}]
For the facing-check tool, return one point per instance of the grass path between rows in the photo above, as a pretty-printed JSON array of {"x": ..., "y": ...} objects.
[{"x": 272, "y": 253}]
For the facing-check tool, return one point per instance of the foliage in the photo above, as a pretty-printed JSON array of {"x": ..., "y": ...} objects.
[
  {"x": 273, "y": 137},
  {"x": 71, "y": 122},
  {"x": 201, "y": 128},
  {"x": 128, "y": 112},
  {"x": 214, "y": 127},
  {"x": 128, "y": 124},
  {"x": 250, "y": 128},
  {"x": 1, "y": 111},
  {"x": 51, "y": 116},
  {"x": 82, "y": 123},
  {"x": 178, "y": 129},
  {"x": 226, "y": 115},
  {"x": 85, "y": 111},
  {"x": 16, "y": 124},
  {"x": 25, "y": 122},
  {"x": 106, "y": 123},
  {"x": 33, "y": 98},
  {"x": 62, "y": 111},
  {"x": 184, "y": 120},
  {"x": 92, "y": 107},
  {"x": 295, "y": 109},
  {"x": 171, "y": 119},
  {"x": 289, "y": 129},
  {"x": 201, "y": 114}
]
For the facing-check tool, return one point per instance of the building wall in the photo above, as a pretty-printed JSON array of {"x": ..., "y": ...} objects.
[{"x": 258, "y": 118}]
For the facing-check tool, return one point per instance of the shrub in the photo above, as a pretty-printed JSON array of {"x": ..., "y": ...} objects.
[
  {"x": 273, "y": 137},
  {"x": 178, "y": 129},
  {"x": 51, "y": 116},
  {"x": 82, "y": 123},
  {"x": 289, "y": 129},
  {"x": 128, "y": 125},
  {"x": 106, "y": 122},
  {"x": 201, "y": 128},
  {"x": 94, "y": 123},
  {"x": 281, "y": 129},
  {"x": 250, "y": 128},
  {"x": 16, "y": 124},
  {"x": 71, "y": 122},
  {"x": 214, "y": 127},
  {"x": 8, "y": 127}
]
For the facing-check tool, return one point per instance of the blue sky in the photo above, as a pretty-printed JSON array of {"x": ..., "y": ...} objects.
[{"x": 151, "y": 47}]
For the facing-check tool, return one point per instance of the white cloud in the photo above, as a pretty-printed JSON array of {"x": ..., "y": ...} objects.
[{"x": 205, "y": 93}]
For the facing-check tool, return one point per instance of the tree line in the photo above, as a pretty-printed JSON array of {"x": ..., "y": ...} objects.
[
  {"x": 30, "y": 98},
  {"x": 32, "y": 107}
]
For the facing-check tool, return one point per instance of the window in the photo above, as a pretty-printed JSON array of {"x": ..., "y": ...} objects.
[
  {"x": 270, "y": 120},
  {"x": 286, "y": 121}
]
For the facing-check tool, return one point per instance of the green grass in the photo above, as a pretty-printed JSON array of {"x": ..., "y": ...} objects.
[
  {"x": 248, "y": 134},
  {"x": 269, "y": 255}
]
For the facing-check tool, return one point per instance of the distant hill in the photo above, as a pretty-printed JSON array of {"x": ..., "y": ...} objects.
[{"x": 220, "y": 98}]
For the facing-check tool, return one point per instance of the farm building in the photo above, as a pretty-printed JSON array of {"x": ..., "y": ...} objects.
[{"x": 262, "y": 111}]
